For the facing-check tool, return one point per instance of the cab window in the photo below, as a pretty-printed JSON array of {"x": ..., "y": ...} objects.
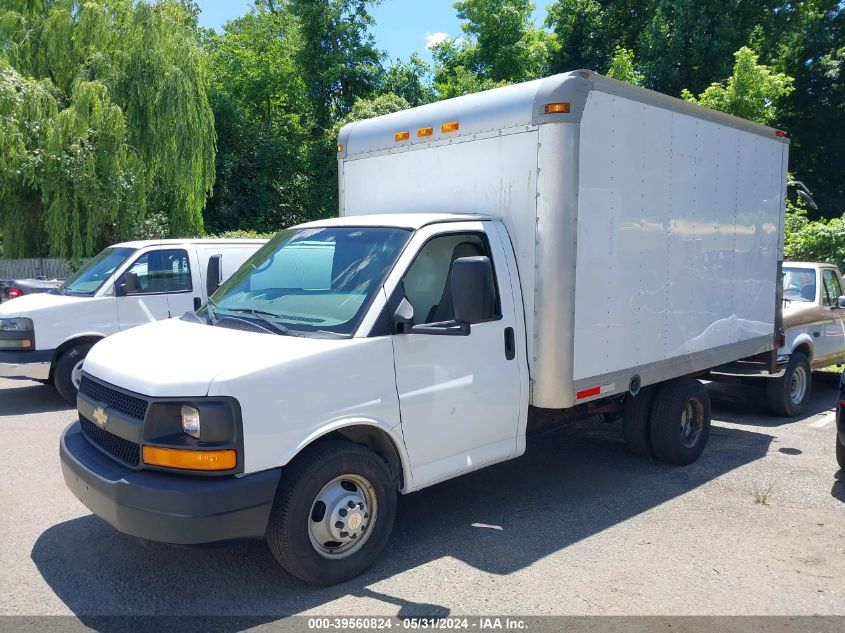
[
  {"x": 156, "y": 272},
  {"x": 426, "y": 283},
  {"x": 832, "y": 289}
]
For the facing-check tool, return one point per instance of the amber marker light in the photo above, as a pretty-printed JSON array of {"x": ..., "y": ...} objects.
[
  {"x": 425, "y": 131},
  {"x": 339, "y": 148},
  {"x": 557, "y": 108},
  {"x": 401, "y": 136},
  {"x": 190, "y": 460},
  {"x": 451, "y": 126}
]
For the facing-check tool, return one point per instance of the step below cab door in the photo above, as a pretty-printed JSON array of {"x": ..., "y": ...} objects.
[{"x": 460, "y": 393}]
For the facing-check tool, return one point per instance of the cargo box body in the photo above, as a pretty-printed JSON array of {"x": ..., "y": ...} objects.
[{"x": 647, "y": 231}]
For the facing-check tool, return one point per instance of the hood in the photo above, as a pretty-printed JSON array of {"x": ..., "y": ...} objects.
[
  {"x": 176, "y": 358},
  {"x": 33, "y": 305}
]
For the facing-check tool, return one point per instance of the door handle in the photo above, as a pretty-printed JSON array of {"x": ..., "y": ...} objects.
[{"x": 510, "y": 344}]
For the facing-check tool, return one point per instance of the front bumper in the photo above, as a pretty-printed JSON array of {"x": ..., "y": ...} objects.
[
  {"x": 34, "y": 365},
  {"x": 159, "y": 506}
]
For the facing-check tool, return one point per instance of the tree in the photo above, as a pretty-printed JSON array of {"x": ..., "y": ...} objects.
[
  {"x": 753, "y": 91},
  {"x": 622, "y": 67},
  {"x": 107, "y": 118},
  {"x": 505, "y": 44},
  {"x": 260, "y": 104},
  {"x": 410, "y": 80},
  {"x": 689, "y": 43}
]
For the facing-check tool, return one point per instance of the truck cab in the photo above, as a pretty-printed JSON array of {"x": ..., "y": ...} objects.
[{"x": 47, "y": 336}]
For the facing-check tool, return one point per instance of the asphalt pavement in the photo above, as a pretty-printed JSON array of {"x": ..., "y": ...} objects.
[{"x": 577, "y": 526}]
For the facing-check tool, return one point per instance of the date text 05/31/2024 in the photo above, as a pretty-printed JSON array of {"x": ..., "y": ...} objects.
[{"x": 456, "y": 623}]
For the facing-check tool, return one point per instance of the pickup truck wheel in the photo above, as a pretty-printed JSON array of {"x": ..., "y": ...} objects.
[
  {"x": 333, "y": 513},
  {"x": 788, "y": 394},
  {"x": 840, "y": 452},
  {"x": 68, "y": 371},
  {"x": 680, "y": 422},
  {"x": 636, "y": 422}
]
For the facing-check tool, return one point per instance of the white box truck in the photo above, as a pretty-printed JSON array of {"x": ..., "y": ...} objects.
[
  {"x": 570, "y": 245},
  {"x": 47, "y": 336}
]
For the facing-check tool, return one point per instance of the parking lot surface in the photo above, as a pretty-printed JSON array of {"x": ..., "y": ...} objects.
[{"x": 578, "y": 525}]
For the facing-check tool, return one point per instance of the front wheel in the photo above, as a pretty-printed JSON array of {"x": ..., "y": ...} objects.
[
  {"x": 788, "y": 395},
  {"x": 333, "y": 513},
  {"x": 68, "y": 372},
  {"x": 680, "y": 421}
]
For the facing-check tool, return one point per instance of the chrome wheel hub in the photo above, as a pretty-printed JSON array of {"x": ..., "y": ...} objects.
[
  {"x": 342, "y": 516},
  {"x": 798, "y": 385},
  {"x": 692, "y": 423},
  {"x": 76, "y": 374}
]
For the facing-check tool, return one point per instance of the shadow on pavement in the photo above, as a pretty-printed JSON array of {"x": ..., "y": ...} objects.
[
  {"x": 746, "y": 404},
  {"x": 571, "y": 484},
  {"x": 25, "y": 397}
]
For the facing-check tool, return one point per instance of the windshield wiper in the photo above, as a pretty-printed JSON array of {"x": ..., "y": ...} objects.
[
  {"x": 262, "y": 316},
  {"x": 212, "y": 315}
]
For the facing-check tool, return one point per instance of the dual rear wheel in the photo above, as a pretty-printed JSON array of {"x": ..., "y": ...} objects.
[{"x": 670, "y": 421}]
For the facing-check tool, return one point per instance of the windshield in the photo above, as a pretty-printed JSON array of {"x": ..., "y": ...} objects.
[
  {"x": 95, "y": 273},
  {"x": 799, "y": 284},
  {"x": 310, "y": 280}
]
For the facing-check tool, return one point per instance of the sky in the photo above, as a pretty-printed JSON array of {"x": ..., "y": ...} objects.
[{"x": 402, "y": 26}]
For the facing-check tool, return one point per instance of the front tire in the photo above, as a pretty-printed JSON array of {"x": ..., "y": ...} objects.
[
  {"x": 680, "y": 423},
  {"x": 68, "y": 371},
  {"x": 333, "y": 512},
  {"x": 788, "y": 395}
]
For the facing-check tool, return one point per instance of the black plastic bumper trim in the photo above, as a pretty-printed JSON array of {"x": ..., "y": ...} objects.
[
  {"x": 162, "y": 507},
  {"x": 16, "y": 357}
]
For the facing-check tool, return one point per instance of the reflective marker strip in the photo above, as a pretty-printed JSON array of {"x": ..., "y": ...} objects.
[{"x": 594, "y": 391}]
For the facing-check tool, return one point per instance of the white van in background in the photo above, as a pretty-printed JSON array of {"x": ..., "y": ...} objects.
[{"x": 47, "y": 336}]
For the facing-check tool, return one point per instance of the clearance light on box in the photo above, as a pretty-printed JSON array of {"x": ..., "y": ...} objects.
[
  {"x": 425, "y": 131},
  {"x": 401, "y": 136},
  {"x": 557, "y": 108}
]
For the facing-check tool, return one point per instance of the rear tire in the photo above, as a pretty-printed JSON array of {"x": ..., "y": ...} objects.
[
  {"x": 788, "y": 395},
  {"x": 680, "y": 422},
  {"x": 68, "y": 370},
  {"x": 329, "y": 493},
  {"x": 636, "y": 422},
  {"x": 840, "y": 452}
]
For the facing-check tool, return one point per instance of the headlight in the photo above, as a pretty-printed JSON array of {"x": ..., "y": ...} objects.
[
  {"x": 20, "y": 324},
  {"x": 190, "y": 421}
]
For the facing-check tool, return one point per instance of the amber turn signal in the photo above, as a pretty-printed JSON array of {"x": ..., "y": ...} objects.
[{"x": 190, "y": 460}]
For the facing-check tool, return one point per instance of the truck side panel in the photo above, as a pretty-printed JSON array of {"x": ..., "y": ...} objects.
[{"x": 678, "y": 232}]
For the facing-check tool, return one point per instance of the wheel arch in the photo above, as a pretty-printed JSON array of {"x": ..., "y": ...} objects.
[
  {"x": 370, "y": 433},
  {"x": 804, "y": 344},
  {"x": 77, "y": 339}
]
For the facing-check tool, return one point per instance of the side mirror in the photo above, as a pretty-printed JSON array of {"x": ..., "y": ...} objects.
[
  {"x": 120, "y": 286},
  {"x": 473, "y": 291},
  {"x": 403, "y": 317},
  {"x": 840, "y": 302},
  {"x": 214, "y": 273}
]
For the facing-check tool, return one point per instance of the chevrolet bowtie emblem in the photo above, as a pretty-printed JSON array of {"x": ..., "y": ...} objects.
[{"x": 100, "y": 417}]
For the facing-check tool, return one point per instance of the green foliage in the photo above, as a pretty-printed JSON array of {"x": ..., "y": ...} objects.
[
  {"x": 753, "y": 91},
  {"x": 260, "y": 101},
  {"x": 410, "y": 80},
  {"x": 106, "y": 116},
  {"x": 622, "y": 67}
]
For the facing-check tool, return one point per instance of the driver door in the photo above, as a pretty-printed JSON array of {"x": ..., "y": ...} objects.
[
  {"x": 459, "y": 395},
  {"x": 157, "y": 285}
]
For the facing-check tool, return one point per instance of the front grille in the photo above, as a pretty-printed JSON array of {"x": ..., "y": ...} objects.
[
  {"x": 113, "y": 399},
  {"x": 122, "y": 450}
]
